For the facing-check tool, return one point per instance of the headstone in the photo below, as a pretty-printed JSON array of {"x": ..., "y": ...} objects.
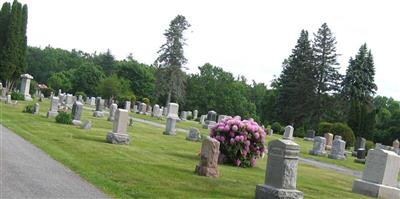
[
  {"x": 59, "y": 92},
  {"x": 99, "y": 107},
  {"x": 171, "y": 119},
  {"x": 77, "y": 109},
  {"x": 142, "y": 108},
  {"x": 360, "y": 143},
  {"x": 87, "y": 125},
  {"x": 183, "y": 115},
  {"x": 194, "y": 135},
  {"x": 69, "y": 100},
  {"x": 113, "y": 109},
  {"x": 80, "y": 98},
  {"x": 328, "y": 138},
  {"x": 149, "y": 110},
  {"x": 209, "y": 125},
  {"x": 310, "y": 134},
  {"x": 128, "y": 105},
  {"x": 41, "y": 97},
  {"x": 130, "y": 121},
  {"x": 189, "y": 114},
  {"x": 135, "y": 108},
  {"x": 118, "y": 135},
  {"x": 221, "y": 117},
  {"x": 338, "y": 149},
  {"x": 361, "y": 153},
  {"x": 288, "y": 135},
  {"x": 87, "y": 101},
  {"x": 165, "y": 111},
  {"x": 395, "y": 146},
  {"x": 271, "y": 132},
  {"x": 379, "y": 178},
  {"x": 36, "y": 109},
  {"x": 8, "y": 100},
  {"x": 25, "y": 86},
  {"x": 53, "y": 107},
  {"x": 208, "y": 165},
  {"x": 281, "y": 175},
  {"x": 92, "y": 101},
  {"x": 202, "y": 119},
  {"x": 211, "y": 116},
  {"x": 61, "y": 99},
  {"x": 156, "y": 111},
  {"x": 195, "y": 114},
  {"x": 319, "y": 146}
]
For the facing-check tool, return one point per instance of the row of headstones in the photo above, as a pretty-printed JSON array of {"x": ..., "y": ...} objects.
[
  {"x": 337, "y": 147},
  {"x": 210, "y": 119}
]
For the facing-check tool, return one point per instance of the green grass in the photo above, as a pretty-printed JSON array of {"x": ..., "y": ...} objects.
[{"x": 153, "y": 165}]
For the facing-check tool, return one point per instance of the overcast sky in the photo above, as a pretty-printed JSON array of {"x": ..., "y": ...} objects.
[{"x": 249, "y": 38}]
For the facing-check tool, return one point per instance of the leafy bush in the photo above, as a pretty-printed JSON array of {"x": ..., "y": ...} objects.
[
  {"x": 46, "y": 91},
  {"x": 344, "y": 131},
  {"x": 241, "y": 142},
  {"x": 277, "y": 128},
  {"x": 17, "y": 96},
  {"x": 29, "y": 109},
  {"x": 64, "y": 118},
  {"x": 123, "y": 98},
  {"x": 324, "y": 127},
  {"x": 369, "y": 145},
  {"x": 146, "y": 101},
  {"x": 83, "y": 94},
  {"x": 300, "y": 132}
]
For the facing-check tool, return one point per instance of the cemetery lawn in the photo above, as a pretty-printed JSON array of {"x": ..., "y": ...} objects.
[{"x": 153, "y": 165}]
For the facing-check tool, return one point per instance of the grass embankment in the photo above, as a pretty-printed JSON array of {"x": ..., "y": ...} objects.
[{"x": 152, "y": 165}]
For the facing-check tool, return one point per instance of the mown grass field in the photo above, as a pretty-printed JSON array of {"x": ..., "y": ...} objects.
[{"x": 154, "y": 165}]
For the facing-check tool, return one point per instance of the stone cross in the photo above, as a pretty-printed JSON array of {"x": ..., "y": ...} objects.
[
  {"x": 319, "y": 146},
  {"x": 53, "y": 107},
  {"x": 288, "y": 135},
  {"x": 208, "y": 165},
  {"x": 338, "y": 149},
  {"x": 113, "y": 109},
  {"x": 25, "y": 86},
  {"x": 281, "y": 175},
  {"x": 77, "y": 110},
  {"x": 195, "y": 113},
  {"x": 328, "y": 137},
  {"x": 171, "y": 119},
  {"x": 118, "y": 135},
  {"x": 379, "y": 178},
  {"x": 194, "y": 135}
]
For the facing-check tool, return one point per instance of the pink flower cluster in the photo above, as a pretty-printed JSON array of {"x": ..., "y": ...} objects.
[{"x": 241, "y": 142}]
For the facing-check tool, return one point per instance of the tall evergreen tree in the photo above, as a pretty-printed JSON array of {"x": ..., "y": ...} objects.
[
  {"x": 297, "y": 85},
  {"x": 170, "y": 77},
  {"x": 5, "y": 13},
  {"x": 327, "y": 75}
]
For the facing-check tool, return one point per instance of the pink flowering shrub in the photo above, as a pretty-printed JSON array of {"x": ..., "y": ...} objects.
[{"x": 241, "y": 142}]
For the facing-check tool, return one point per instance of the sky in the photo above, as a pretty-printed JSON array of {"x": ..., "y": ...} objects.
[{"x": 249, "y": 38}]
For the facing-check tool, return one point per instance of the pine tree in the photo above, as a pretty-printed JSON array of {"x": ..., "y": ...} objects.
[
  {"x": 297, "y": 85},
  {"x": 4, "y": 21},
  {"x": 327, "y": 75},
  {"x": 170, "y": 79}
]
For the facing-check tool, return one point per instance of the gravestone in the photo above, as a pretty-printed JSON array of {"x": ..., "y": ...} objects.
[
  {"x": 36, "y": 109},
  {"x": 41, "y": 97},
  {"x": 156, "y": 111},
  {"x": 183, "y": 115},
  {"x": 165, "y": 111},
  {"x": 25, "y": 86},
  {"x": 135, "y": 108},
  {"x": 77, "y": 109},
  {"x": 288, "y": 134},
  {"x": 99, "y": 107},
  {"x": 208, "y": 165},
  {"x": 69, "y": 100},
  {"x": 59, "y": 92},
  {"x": 92, "y": 101},
  {"x": 195, "y": 114},
  {"x": 87, "y": 101},
  {"x": 211, "y": 116},
  {"x": 209, "y": 125},
  {"x": 171, "y": 119},
  {"x": 379, "y": 178},
  {"x": 8, "y": 100},
  {"x": 189, "y": 114},
  {"x": 202, "y": 119},
  {"x": 149, "y": 110},
  {"x": 118, "y": 135},
  {"x": 87, "y": 125},
  {"x": 128, "y": 105},
  {"x": 329, "y": 138},
  {"x": 53, "y": 107},
  {"x": 142, "y": 108},
  {"x": 80, "y": 98},
  {"x": 361, "y": 153},
  {"x": 319, "y": 146},
  {"x": 338, "y": 149},
  {"x": 193, "y": 135},
  {"x": 395, "y": 146},
  {"x": 113, "y": 109},
  {"x": 281, "y": 174},
  {"x": 221, "y": 117},
  {"x": 310, "y": 134},
  {"x": 130, "y": 121},
  {"x": 360, "y": 143},
  {"x": 61, "y": 100},
  {"x": 271, "y": 132}
]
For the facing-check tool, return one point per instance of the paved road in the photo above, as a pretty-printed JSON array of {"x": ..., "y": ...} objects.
[
  {"x": 333, "y": 167},
  {"x": 157, "y": 124},
  {"x": 28, "y": 172}
]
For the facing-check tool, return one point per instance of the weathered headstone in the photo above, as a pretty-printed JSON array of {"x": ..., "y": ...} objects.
[
  {"x": 113, "y": 109},
  {"x": 310, "y": 134},
  {"x": 221, "y": 117},
  {"x": 195, "y": 114},
  {"x": 118, "y": 135},
  {"x": 36, "y": 109},
  {"x": 80, "y": 98},
  {"x": 193, "y": 135},
  {"x": 135, "y": 108},
  {"x": 328, "y": 138},
  {"x": 87, "y": 125},
  {"x": 395, "y": 146},
  {"x": 69, "y": 100},
  {"x": 202, "y": 119},
  {"x": 128, "y": 105},
  {"x": 130, "y": 121},
  {"x": 149, "y": 110},
  {"x": 165, "y": 111},
  {"x": 338, "y": 149},
  {"x": 53, "y": 107},
  {"x": 288, "y": 134},
  {"x": 8, "y": 99},
  {"x": 156, "y": 111},
  {"x": 271, "y": 132},
  {"x": 61, "y": 100},
  {"x": 319, "y": 146},
  {"x": 211, "y": 116},
  {"x": 92, "y": 101},
  {"x": 281, "y": 175},
  {"x": 142, "y": 108},
  {"x": 41, "y": 97},
  {"x": 99, "y": 107},
  {"x": 184, "y": 115},
  {"x": 208, "y": 165},
  {"x": 379, "y": 178},
  {"x": 25, "y": 86},
  {"x": 77, "y": 109},
  {"x": 171, "y": 119},
  {"x": 361, "y": 153}
]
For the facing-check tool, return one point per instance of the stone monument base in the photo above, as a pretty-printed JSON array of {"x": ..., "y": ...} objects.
[
  {"x": 207, "y": 171},
  {"x": 52, "y": 113},
  {"x": 98, "y": 114},
  {"x": 265, "y": 191},
  {"x": 118, "y": 138},
  {"x": 317, "y": 153},
  {"x": 336, "y": 156},
  {"x": 375, "y": 190},
  {"x": 28, "y": 98},
  {"x": 76, "y": 122}
]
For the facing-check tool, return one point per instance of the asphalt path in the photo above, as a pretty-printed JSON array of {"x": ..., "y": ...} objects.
[{"x": 28, "y": 172}]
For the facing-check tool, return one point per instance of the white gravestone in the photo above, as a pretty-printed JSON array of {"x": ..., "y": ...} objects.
[
  {"x": 53, "y": 107},
  {"x": 288, "y": 135},
  {"x": 171, "y": 119},
  {"x": 118, "y": 135},
  {"x": 25, "y": 86}
]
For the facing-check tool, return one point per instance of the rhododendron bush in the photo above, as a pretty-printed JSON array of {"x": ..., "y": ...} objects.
[{"x": 241, "y": 142}]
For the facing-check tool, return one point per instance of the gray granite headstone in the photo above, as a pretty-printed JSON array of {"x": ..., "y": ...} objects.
[
  {"x": 25, "y": 86},
  {"x": 211, "y": 116},
  {"x": 338, "y": 149},
  {"x": 193, "y": 135},
  {"x": 184, "y": 115},
  {"x": 208, "y": 165},
  {"x": 113, "y": 109},
  {"x": 195, "y": 113},
  {"x": 319, "y": 146},
  {"x": 99, "y": 107},
  {"x": 288, "y": 134},
  {"x": 171, "y": 119},
  {"x": 118, "y": 135},
  {"x": 202, "y": 119},
  {"x": 77, "y": 109},
  {"x": 36, "y": 108},
  {"x": 53, "y": 107}
]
